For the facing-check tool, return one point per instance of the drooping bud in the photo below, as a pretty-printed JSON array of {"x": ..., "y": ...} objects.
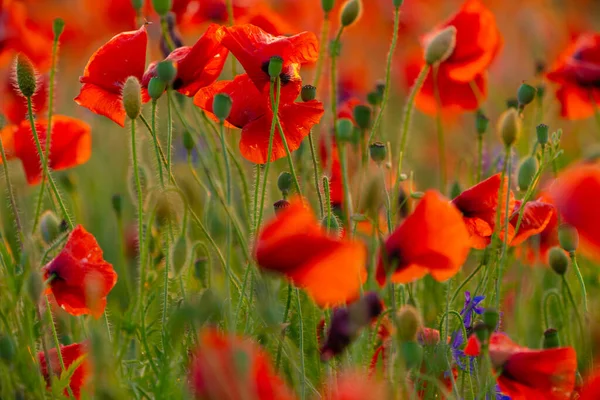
[
  {"x": 542, "y": 133},
  {"x": 58, "y": 26},
  {"x": 275, "y": 66},
  {"x": 166, "y": 71},
  {"x": 441, "y": 46},
  {"x": 409, "y": 323},
  {"x": 188, "y": 141},
  {"x": 156, "y": 87},
  {"x": 117, "y": 204},
  {"x": 509, "y": 126},
  {"x": 162, "y": 7},
  {"x": 132, "y": 97},
  {"x": 331, "y": 224},
  {"x": 26, "y": 78},
  {"x": 280, "y": 205},
  {"x": 350, "y": 12},
  {"x": 491, "y": 317},
  {"x": 378, "y": 152},
  {"x": 483, "y": 333},
  {"x": 344, "y": 130},
  {"x": 551, "y": 340},
  {"x": 327, "y": 5},
  {"x": 179, "y": 254},
  {"x": 49, "y": 227},
  {"x": 362, "y": 116},
  {"x": 285, "y": 182},
  {"x": 222, "y": 104},
  {"x": 527, "y": 171},
  {"x": 525, "y": 94},
  {"x": 558, "y": 260},
  {"x": 35, "y": 286},
  {"x": 308, "y": 93},
  {"x": 568, "y": 237},
  {"x": 481, "y": 122}
]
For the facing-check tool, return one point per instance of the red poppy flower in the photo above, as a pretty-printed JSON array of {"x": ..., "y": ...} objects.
[
  {"x": 332, "y": 272},
  {"x": 478, "y": 42},
  {"x": 7, "y": 135},
  {"x": 197, "y": 66},
  {"x": 82, "y": 279},
  {"x": 577, "y": 73},
  {"x": 356, "y": 386},
  {"x": 527, "y": 374},
  {"x": 70, "y": 354},
  {"x": 106, "y": 71},
  {"x": 574, "y": 194},
  {"x": 433, "y": 239},
  {"x": 536, "y": 217},
  {"x": 252, "y": 112},
  {"x": 70, "y": 145},
  {"x": 254, "y": 48},
  {"x": 217, "y": 373},
  {"x": 591, "y": 389},
  {"x": 262, "y": 16},
  {"x": 545, "y": 240},
  {"x": 14, "y": 106}
]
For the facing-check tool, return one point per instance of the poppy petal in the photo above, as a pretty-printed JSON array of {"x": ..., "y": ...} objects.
[
  {"x": 70, "y": 354},
  {"x": 536, "y": 216}
]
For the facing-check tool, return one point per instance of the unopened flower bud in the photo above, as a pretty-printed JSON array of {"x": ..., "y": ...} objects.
[
  {"x": 491, "y": 317},
  {"x": 132, "y": 97},
  {"x": 482, "y": 332},
  {"x": 166, "y": 71},
  {"x": 162, "y": 7},
  {"x": 156, "y": 87},
  {"x": 35, "y": 286},
  {"x": 222, "y": 104},
  {"x": 525, "y": 94},
  {"x": 179, "y": 254},
  {"x": 117, "y": 204},
  {"x": 280, "y": 205},
  {"x": 558, "y": 260},
  {"x": 350, "y": 12},
  {"x": 527, "y": 171},
  {"x": 441, "y": 46},
  {"x": 331, "y": 224},
  {"x": 551, "y": 340},
  {"x": 49, "y": 227},
  {"x": 58, "y": 26},
  {"x": 378, "y": 152},
  {"x": 202, "y": 271},
  {"x": 285, "y": 182},
  {"x": 398, "y": 3},
  {"x": 275, "y": 66},
  {"x": 188, "y": 141},
  {"x": 327, "y": 5},
  {"x": 409, "y": 323},
  {"x": 412, "y": 353},
  {"x": 568, "y": 237},
  {"x": 509, "y": 126},
  {"x": 362, "y": 116},
  {"x": 308, "y": 93},
  {"x": 481, "y": 122},
  {"x": 374, "y": 98},
  {"x": 542, "y": 133},
  {"x": 344, "y": 130},
  {"x": 26, "y": 79}
]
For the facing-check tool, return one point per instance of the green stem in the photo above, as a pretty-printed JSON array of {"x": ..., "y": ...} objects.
[
  {"x": 334, "y": 54},
  {"x": 462, "y": 285},
  {"x": 257, "y": 172},
  {"x": 301, "y": 346},
  {"x": 576, "y": 310},
  {"x": 228, "y": 234},
  {"x": 581, "y": 281},
  {"x": 545, "y": 301},
  {"x": 345, "y": 183},
  {"x": 285, "y": 320},
  {"x": 289, "y": 157},
  {"x": 165, "y": 32},
  {"x": 322, "y": 50},
  {"x": 169, "y": 132},
  {"x": 140, "y": 213},
  {"x": 57, "y": 344},
  {"x": 166, "y": 250},
  {"x": 479, "y": 157},
  {"x": 156, "y": 147},
  {"x": 317, "y": 173},
  {"x": 440, "y": 131},
  {"x": 11, "y": 197},
  {"x": 504, "y": 254}
]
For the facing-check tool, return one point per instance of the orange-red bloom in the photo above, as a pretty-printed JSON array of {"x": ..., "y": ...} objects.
[
  {"x": 537, "y": 215},
  {"x": 14, "y": 106},
  {"x": 478, "y": 41},
  {"x": 70, "y": 144},
  {"x": 528, "y": 374},
  {"x": 70, "y": 354},
  {"x": 251, "y": 111},
  {"x": 197, "y": 66},
  {"x": 591, "y": 389},
  {"x": 356, "y": 386},
  {"x": 217, "y": 373},
  {"x": 577, "y": 73},
  {"x": 433, "y": 239},
  {"x": 106, "y": 71},
  {"x": 332, "y": 272},
  {"x": 81, "y": 278}
]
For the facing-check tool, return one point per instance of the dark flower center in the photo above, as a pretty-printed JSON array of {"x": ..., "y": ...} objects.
[{"x": 284, "y": 77}]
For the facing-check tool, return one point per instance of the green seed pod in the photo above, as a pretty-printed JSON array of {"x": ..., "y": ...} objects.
[
  {"x": 35, "y": 286},
  {"x": 308, "y": 93},
  {"x": 558, "y": 260},
  {"x": 378, "y": 152},
  {"x": 26, "y": 79},
  {"x": 327, "y": 5},
  {"x": 542, "y": 133},
  {"x": 412, "y": 353},
  {"x": 137, "y": 4},
  {"x": 280, "y": 205},
  {"x": 188, "y": 141},
  {"x": 117, "y": 204},
  {"x": 441, "y": 46},
  {"x": 398, "y": 3},
  {"x": 491, "y": 317},
  {"x": 49, "y": 227},
  {"x": 166, "y": 71},
  {"x": 481, "y": 122},
  {"x": 568, "y": 237},
  {"x": 179, "y": 254},
  {"x": 285, "y": 182},
  {"x": 509, "y": 126},
  {"x": 350, "y": 12},
  {"x": 374, "y": 98},
  {"x": 275, "y": 66},
  {"x": 156, "y": 87},
  {"x": 344, "y": 130},
  {"x": 362, "y": 116},
  {"x": 222, "y": 104},
  {"x": 58, "y": 26},
  {"x": 408, "y": 323},
  {"x": 551, "y": 340},
  {"x": 525, "y": 94},
  {"x": 527, "y": 171},
  {"x": 162, "y": 7},
  {"x": 7, "y": 349},
  {"x": 331, "y": 224},
  {"x": 132, "y": 97}
]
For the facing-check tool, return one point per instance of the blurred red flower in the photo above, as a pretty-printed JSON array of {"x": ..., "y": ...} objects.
[
  {"x": 14, "y": 106},
  {"x": 70, "y": 354},
  {"x": 591, "y": 389},
  {"x": 356, "y": 386}
]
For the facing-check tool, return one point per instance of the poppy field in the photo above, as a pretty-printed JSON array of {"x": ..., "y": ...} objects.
[{"x": 285, "y": 199}]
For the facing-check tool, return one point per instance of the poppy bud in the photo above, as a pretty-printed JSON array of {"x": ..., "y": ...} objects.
[
  {"x": 558, "y": 260},
  {"x": 222, "y": 104},
  {"x": 280, "y": 205},
  {"x": 344, "y": 130},
  {"x": 568, "y": 237},
  {"x": 156, "y": 87},
  {"x": 350, "y": 12},
  {"x": 137, "y": 4},
  {"x": 380, "y": 87},
  {"x": 26, "y": 79},
  {"x": 132, "y": 97},
  {"x": 7, "y": 349},
  {"x": 179, "y": 254},
  {"x": 551, "y": 339},
  {"x": 275, "y": 66},
  {"x": 509, "y": 126},
  {"x": 202, "y": 271},
  {"x": 331, "y": 224},
  {"x": 408, "y": 323},
  {"x": 117, "y": 204},
  {"x": 540, "y": 91},
  {"x": 49, "y": 227},
  {"x": 58, "y": 26},
  {"x": 417, "y": 195},
  {"x": 144, "y": 182},
  {"x": 455, "y": 189},
  {"x": 378, "y": 152},
  {"x": 481, "y": 122},
  {"x": 412, "y": 353},
  {"x": 308, "y": 93},
  {"x": 166, "y": 71},
  {"x": 188, "y": 141},
  {"x": 162, "y": 7},
  {"x": 362, "y": 116},
  {"x": 525, "y": 94},
  {"x": 482, "y": 332},
  {"x": 542, "y": 133},
  {"x": 168, "y": 208},
  {"x": 398, "y": 3},
  {"x": 284, "y": 182},
  {"x": 441, "y": 46},
  {"x": 374, "y": 98},
  {"x": 35, "y": 286},
  {"x": 527, "y": 171},
  {"x": 327, "y": 5},
  {"x": 491, "y": 318}
]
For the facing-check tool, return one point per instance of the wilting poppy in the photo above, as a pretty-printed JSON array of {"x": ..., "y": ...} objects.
[
  {"x": 356, "y": 386},
  {"x": 70, "y": 145},
  {"x": 197, "y": 66},
  {"x": 81, "y": 278},
  {"x": 70, "y": 354},
  {"x": 332, "y": 272},
  {"x": 526, "y": 374},
  {"x": 251, "y": 111},
  {"x": 433, "y": 239},
  {"x": 461, "y": 75},
  {"x": 254, "y": 48},
  {"x": 229, "y": 367},
  {"x": 14, "y": 106},
  {"x": 574, "y": 194},
  {"x": 106, "y": 71},
  {"x": 577, "y": 73}
]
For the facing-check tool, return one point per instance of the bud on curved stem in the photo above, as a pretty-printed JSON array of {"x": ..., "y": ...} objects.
[{"x": 441, "y": 46}]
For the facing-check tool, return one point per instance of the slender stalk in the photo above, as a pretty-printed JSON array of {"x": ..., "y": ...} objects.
[
  {"x": 301, "y": 347},
  {"x": 322, "y": 50},
  {"x": 581, "y": 281},
  {"x": 479, "y": 158},
  {"x": 317, "y": 173},
  {"x": 334, "y": 54},
  {"x": 575, "y": 309},
  {"x": 285, "y": 320},
  {"x": 289, "y": 157},
  {"x": 57, "y": 344},
  {"x": 228, "y": 234},
  {"x": 503, "y": 255},
  {"x": 140, "y": 213},
  {"x": 166, "y": 249},
  {"x": 440, "y": 131},
  {"x": 169, "y": 132},
  {"x": 165, "y": 33},
  {"x": 345, "y": 183},
  {"x": 156, "y": 147},
  {"x": 11, "y": 197}
]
